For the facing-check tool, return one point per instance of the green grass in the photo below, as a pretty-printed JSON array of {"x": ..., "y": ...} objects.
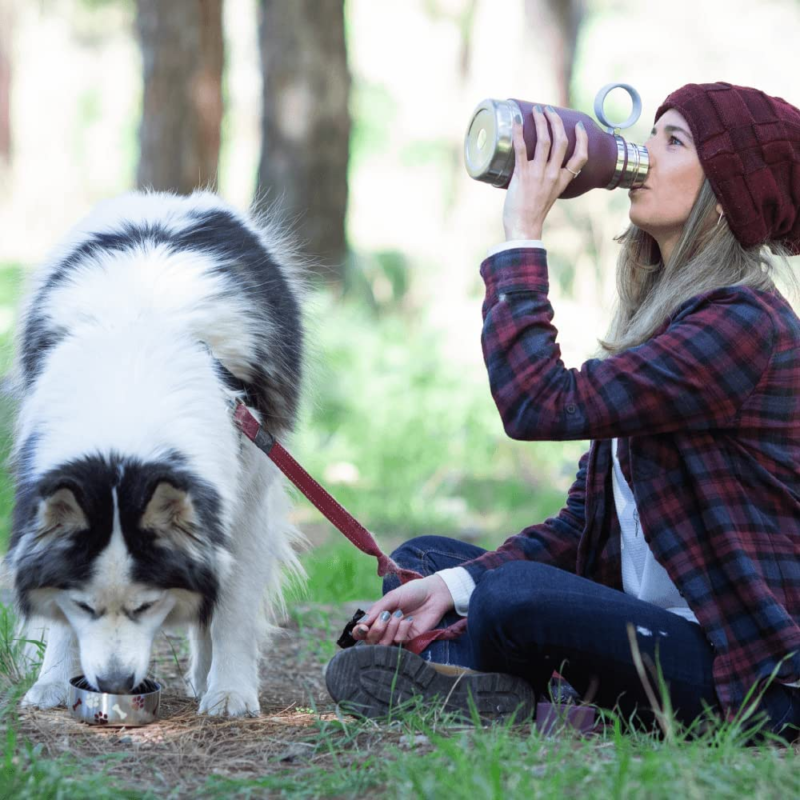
[
  {"x": 10, "y": 285},
  {"x": 337, "y": 573},
  {"x": 423, "y": 753},
  {"x": 424, "y": 757},
  {"x": 26, "y": 774}
]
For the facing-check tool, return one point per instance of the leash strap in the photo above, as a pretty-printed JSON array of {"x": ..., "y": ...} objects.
[{"x": 337, "y": 515}]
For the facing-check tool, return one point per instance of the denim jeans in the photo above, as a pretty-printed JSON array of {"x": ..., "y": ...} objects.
[{"x": 529, "y": 619}]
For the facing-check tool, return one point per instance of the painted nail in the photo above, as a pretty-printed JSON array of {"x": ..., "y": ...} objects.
[
  {"x": 538, "y": 109},
  {"x": 363, "y": 630},
  {"x": 581, "y": 126},
  {"x": 384, "y": 616},
  {"x": 551, "y": 109},
  {"x": 398, "y": 613},
  {"x": 409, "y": 619}
]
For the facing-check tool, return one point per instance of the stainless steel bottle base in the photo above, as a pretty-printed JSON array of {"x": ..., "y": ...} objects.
[{"x": 489, "y": 145}]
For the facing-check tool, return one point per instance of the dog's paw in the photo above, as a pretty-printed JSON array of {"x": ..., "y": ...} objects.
[
  {"x": 230, "y": 703},
  {"x": 46, "y": 695}
]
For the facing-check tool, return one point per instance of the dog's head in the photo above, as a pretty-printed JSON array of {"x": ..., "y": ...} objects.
[{"x": 116, "y": 547}]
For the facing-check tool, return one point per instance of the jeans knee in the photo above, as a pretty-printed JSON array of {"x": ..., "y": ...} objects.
[
  {"x": 513, "y": 595},
  {"x": 411, "y": 555}
]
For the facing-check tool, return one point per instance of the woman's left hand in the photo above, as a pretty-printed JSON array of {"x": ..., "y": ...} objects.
[{"x": 537, "y": 184}]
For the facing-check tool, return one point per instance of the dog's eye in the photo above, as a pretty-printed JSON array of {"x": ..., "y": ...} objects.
[
  {"x": 85, "y": 607},
  {"x": 142, "y": 608}
]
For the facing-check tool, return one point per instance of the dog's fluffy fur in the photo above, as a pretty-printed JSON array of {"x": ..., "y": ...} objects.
[{"x": 138, "y": 504}]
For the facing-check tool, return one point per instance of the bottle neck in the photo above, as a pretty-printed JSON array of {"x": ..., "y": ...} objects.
[{"x": 633, "y": 164}]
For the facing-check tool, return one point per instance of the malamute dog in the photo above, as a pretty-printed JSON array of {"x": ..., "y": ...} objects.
[{"x": 138, "y": 503}]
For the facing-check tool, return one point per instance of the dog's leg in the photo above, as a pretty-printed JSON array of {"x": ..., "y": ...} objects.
[
  {"x": 233, "y": 677},
  {"x": 262, "y": 545},
  {"x": 60, "y": 663},
  {"x": 197, "y": 676}
]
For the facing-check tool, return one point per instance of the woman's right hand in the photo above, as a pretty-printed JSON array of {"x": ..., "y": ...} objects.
[{"x": 413, "y": 608}]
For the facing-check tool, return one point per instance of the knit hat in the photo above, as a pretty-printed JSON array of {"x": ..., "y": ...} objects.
[{"x": 749, "y": 146}]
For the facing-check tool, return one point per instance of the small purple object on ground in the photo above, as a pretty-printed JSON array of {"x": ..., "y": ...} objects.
[{"x": 552, "y": 718}]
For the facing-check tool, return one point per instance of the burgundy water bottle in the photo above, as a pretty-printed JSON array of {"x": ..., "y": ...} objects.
[{"x": 613, "y": 163}]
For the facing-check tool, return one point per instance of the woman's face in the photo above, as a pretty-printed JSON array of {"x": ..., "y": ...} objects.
[{"x": 662, "y": 205}]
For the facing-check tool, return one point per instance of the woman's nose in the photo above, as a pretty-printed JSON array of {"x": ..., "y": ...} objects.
[{"x": 652, "y": 147}]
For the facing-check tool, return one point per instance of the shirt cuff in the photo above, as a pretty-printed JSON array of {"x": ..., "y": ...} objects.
[
  {"x": 515, "y": 270},
  {"x": 461, "y": 586},
  {"x": 510, "y": 245}
]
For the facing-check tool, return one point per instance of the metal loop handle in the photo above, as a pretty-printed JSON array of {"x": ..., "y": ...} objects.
[{"x": 600, "y": 99}]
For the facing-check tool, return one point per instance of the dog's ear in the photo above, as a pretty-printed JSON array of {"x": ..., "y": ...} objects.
[
  {"x": 60, "y": 513},
  {"x": 170, "y": 510}
]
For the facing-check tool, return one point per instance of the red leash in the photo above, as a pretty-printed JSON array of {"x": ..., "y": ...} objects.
[{"x": 338, "y": 516}]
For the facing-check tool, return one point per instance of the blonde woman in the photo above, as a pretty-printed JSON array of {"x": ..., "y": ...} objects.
[{"x": 683, "y": 524}]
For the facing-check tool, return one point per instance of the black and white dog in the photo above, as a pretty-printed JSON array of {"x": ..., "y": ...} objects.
[{"x": 138, "y": 503}]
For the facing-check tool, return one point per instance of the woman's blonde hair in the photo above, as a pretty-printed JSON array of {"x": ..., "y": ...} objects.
[{"x": 707, "y": 256}]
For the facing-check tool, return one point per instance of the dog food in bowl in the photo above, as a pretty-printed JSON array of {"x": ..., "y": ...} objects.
[{"x": 140, "y": 707}]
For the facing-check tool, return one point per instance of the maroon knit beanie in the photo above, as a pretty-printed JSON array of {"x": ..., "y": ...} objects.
[{"x": 749, "y": 146}]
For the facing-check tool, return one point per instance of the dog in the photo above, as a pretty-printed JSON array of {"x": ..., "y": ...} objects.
[{"x": 138, "y": 504}]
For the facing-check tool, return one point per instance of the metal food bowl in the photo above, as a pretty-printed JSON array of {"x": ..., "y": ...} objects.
[{"x": 140, "y": 707}]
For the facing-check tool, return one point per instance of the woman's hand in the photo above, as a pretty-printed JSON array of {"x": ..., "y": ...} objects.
[
  {"x": 406, "y": 612},
  {"x": 537, "y": 184}
]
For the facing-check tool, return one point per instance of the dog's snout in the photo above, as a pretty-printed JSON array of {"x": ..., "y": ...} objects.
[{"x": 116, "y": 683}]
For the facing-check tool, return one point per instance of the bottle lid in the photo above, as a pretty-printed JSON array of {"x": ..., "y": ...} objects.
[{"x": 489, "y": 145}]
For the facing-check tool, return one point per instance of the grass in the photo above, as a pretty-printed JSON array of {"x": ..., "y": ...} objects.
[{"x": 421, "y": 753}]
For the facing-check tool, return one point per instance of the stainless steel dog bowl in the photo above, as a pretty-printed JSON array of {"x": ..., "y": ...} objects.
[{"x": 98, "y": 708}]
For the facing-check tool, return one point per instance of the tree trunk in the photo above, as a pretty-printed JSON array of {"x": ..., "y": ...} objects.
[
  {"x": 6, "y": 30},
  {"x": 555, "y": 24},
  {"x": 306, "y": 123},
  {"x": 182, "y": 53}
]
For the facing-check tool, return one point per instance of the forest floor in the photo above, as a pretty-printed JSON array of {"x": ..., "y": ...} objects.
[{"x": 183, "y": 749}]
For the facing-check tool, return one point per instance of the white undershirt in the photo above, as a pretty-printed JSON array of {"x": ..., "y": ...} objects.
[{"x": 642, "y": 576}]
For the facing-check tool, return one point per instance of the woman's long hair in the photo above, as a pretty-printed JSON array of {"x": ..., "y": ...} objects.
[{"x": 707, "y": 256}]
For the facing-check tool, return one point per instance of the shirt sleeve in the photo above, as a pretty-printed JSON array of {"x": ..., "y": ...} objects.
[
  {"x": 554, "y": 541},
  {"x": 695, "y": 373},
  {"x": 461, "y": 586}
]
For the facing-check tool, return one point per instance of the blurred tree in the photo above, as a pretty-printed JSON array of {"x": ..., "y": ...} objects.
[
  {"x": 182, "y": 52},
  {"x": 555, "y": 25},
  {"x": 6, "y": 29},
  {"x": 306, "y": 123}
]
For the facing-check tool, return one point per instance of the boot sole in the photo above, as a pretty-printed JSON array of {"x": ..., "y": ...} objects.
[{"x": 374, "y": 680}]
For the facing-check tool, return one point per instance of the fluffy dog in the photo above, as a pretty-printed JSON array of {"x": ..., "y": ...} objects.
[{"x": 138, "y": 503}]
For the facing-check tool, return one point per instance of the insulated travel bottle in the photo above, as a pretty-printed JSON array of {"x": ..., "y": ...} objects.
[{"x": 613, "y": 163}]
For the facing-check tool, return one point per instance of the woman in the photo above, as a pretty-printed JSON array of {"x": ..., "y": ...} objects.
[{"x": 682, "y": 527}]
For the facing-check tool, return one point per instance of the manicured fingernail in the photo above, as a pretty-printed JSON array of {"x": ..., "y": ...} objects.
[
  {"x": 409, "y": 619},
  {"x": 581, "y": 126},
  {"x": 537, "y": 109},
  {"x": 362, "y": 631},
  {"x": 398, "y": 613},
  {"x": 384, "y": 616},
  {"x": 551, "y": 109}
]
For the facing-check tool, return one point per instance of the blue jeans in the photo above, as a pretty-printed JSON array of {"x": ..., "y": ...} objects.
[{"x": 529, "y": 619}]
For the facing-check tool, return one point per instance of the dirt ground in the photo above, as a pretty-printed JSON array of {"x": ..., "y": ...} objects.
[{"x": 183, "y": 749}]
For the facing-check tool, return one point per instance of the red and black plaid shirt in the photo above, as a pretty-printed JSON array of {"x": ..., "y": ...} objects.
[{"x": 708, "y": 417}]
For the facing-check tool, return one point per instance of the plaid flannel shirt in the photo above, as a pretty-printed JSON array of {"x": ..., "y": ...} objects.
[{"x": 708, "y": 416}]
